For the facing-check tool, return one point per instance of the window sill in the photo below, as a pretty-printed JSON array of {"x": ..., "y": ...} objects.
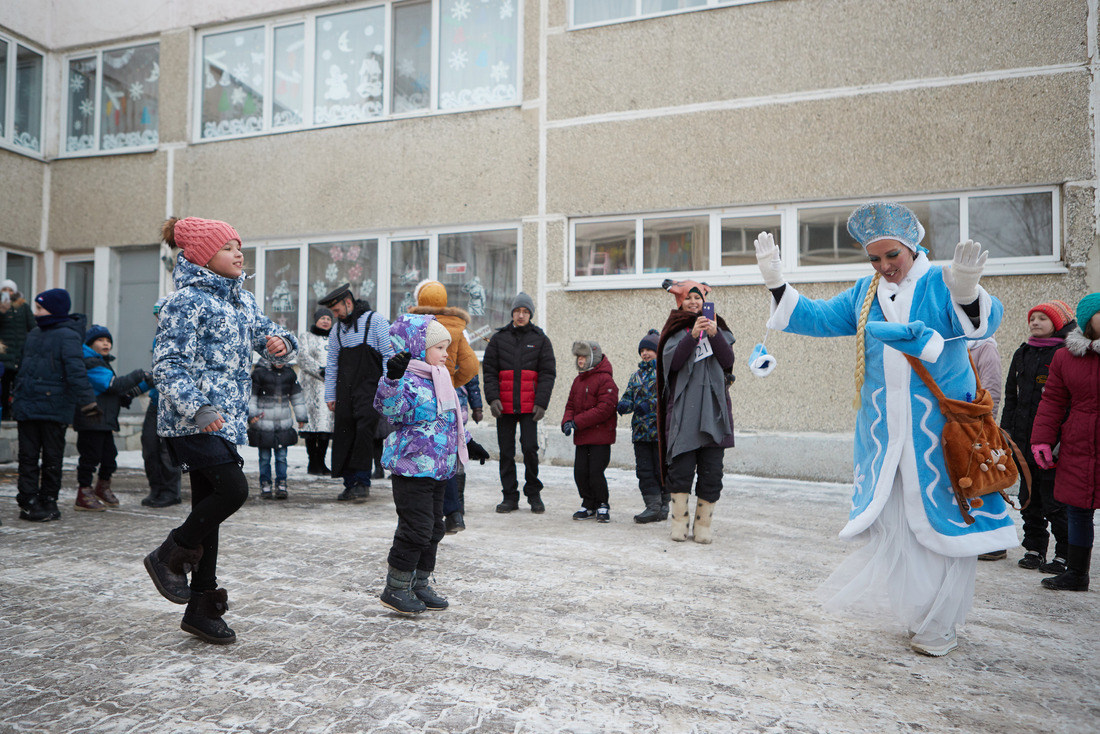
[
  {"x": 27, "y": 152},
  {"x": 77, "y": 154}
]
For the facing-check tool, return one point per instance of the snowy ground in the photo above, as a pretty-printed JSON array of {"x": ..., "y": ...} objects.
[{"x": 555, "y": 625}]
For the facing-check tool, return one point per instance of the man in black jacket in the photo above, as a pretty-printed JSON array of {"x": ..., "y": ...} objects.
[{"x": 519, "y": 371}]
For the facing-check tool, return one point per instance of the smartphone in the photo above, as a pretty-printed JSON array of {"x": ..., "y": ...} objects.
[{"x": 708, "y": 309}]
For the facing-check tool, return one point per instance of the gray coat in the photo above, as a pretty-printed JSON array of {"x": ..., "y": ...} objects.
[{"x": 312, "y": 357}]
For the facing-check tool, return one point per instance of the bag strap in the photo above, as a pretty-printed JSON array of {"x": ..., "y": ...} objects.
[{"x": 930, "y": 382}]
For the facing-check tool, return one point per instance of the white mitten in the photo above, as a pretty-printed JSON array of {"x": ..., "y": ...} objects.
[
  {"x": 767, "y": 258},
  {"x": 966, "y": 269}
]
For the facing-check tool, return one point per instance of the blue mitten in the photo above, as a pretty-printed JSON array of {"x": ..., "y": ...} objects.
[{"x": 911, "y": 338}]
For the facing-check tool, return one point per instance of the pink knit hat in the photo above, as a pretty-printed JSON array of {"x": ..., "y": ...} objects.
[
  {"x": 200, "y": 239},
  {"x": 1057, "y": 311}
]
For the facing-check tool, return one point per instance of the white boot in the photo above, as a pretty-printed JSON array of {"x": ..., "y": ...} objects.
[
  {"x": 678, "y": 517},
  {"x": 704, "y": 511}
]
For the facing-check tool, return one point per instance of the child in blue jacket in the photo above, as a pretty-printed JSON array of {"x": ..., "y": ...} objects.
[
  {"x": 95, "y": 437},
  {"x": 640, "y": 398}
]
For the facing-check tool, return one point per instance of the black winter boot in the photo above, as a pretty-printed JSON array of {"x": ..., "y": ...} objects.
[
  {"x": 398, "y": 594},
  {"x": 510, "y": 503},
  {"x": 665, "y": 499},
  {"x": 169, "y": 565},
  {"x": 1076, "y": 576},
  {"x": 652, "y": 511},
  {"x": 32, "y": 510},
  {"x": 425, "y": 593},
  {"x": 203, "y": 617},
  {"x": 454, "y": 523}
]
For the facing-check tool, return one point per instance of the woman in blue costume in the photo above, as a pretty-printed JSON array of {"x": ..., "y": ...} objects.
[{"x": 920, "y": 556}]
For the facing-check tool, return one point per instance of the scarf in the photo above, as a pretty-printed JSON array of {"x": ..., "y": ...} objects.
[
  {"x": 50, "y": 320},
  {"x": 445, "y": 398},
  {"x": 1045, "y": 341},
  {"x": 319, "y": 331}
]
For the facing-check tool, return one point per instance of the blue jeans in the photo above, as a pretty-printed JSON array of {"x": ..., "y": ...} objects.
[
  {"x": 1080, "y": 525},
  {"x": 355, "y": 477},
  {"x": 280, "y": 464}
]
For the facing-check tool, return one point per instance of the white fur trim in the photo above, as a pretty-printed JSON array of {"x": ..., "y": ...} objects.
[
  {"x": 933, "y": 349},
  {"x": 781, "y": 312}
]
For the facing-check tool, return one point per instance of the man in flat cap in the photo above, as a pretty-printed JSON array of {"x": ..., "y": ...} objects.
[{"x": 358, "y": 348}]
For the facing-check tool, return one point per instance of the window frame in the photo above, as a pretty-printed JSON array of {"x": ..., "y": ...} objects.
[
  {"x": 7, "y": 124},
  {"x": 796, "y": 272},
  {"x": 309, "y": 21},
  {"x": 639, "y": 15},
  {"x": 63, "y": 125}
]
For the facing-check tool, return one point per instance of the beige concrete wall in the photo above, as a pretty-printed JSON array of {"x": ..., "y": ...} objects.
[
  {"x": 793, "y": 46},
  {"x": 21, "y": 211},
  {"x": 445, "y": 169}
]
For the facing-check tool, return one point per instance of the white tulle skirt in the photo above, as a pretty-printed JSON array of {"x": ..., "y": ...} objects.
[{"x": 893, "y": 574}]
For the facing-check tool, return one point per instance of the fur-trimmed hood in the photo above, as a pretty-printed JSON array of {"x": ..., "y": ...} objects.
[
  {"x": 454, "y": 311},
  {"x": 591, "y": 352},
  {"x": 1078, "y": 344}
]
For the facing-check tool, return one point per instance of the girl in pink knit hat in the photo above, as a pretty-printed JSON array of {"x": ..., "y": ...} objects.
[{"x": 206, "y": 334}]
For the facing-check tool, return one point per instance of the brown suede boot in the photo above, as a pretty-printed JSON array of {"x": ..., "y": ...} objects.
[
  {"x": 104, "y": 493},
  {"x": 87, "y": 501}
]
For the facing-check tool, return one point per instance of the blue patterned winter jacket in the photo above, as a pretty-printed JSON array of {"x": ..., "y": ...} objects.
[
  {"x": 207, "y": 332},
  {"x": 640, "y": 398},
  {"x": 423, "y": 443}
]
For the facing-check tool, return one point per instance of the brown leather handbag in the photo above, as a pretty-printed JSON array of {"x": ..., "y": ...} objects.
[{"x": 977, "y": 452}]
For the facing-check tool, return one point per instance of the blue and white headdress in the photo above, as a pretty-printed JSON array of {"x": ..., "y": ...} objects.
[{"x": 886, "y": 220}]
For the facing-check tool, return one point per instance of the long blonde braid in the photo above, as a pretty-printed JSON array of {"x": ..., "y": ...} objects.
[{"x": 861, "y": 338}]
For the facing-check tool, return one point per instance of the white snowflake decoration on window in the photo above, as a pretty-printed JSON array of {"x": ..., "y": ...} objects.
[
  {"x": 499, "y": 72},
  {"x": 331, "y": 272},
  {"x": 460, "y": 10},
  {"x": 506, "y": 9},
  {"x": 320, "y": 288},
  {"x": 242, "y": 72},
  {"x": 136, "y": 90},
  {"x": 458, "y": 60},
  {"x": 87, "y": 108},
  {"x": 237, "y": 96},
  {"x": 76, "y": 82},
  {"x": 406, "y": 68}
]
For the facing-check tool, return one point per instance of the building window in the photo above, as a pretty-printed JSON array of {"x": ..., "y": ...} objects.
[
  {"x": 111, "y": 99},
  {"x": 1019, "y": 228},
  {"x": 281, "y": 287},
  {"x": 354, "y": 262},
  {"x": 80, "y": 283},
  {"x": 359, "y": 65},
  {"x": 478, "y": 270},
  {"x": 21, "y": 75},
  {"x": 600, "y": 12},
  {"x": 20, "y": 268}
]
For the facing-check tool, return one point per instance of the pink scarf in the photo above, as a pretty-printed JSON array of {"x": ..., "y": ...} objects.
[
  {"x": 1045, "y": 341},
  {"x": 445, "y": 398}
]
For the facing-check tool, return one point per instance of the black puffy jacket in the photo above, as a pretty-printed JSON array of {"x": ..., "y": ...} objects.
[
  {"x": 519, "y": 368},
  {"x": 53, "y": 381}
]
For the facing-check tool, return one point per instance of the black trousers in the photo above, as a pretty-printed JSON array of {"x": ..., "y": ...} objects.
[
  {"x": 97, "y": 450},
  {"x": 647, "y": 467},
  {"x": 161, "y": 472},
  {"x": 316, "y": 448},
  {"x": 216, "y": 493},
  {"x": 589, "y": 465},
  {"x": 44, "y": 439},
  {"x": 7, "y": 382},
  {"x": 529, "y": 444},
  {"x": 707, "y": 463},
  {"x": 1042, "y": 509},
  {"x": 419, "y": 503}
]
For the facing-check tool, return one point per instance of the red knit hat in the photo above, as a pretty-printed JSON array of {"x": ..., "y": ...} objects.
[
  {"x": 200, "y": 239},
  {"x": 680, "y": 289},
  {"x": 1057, "y": 311}
]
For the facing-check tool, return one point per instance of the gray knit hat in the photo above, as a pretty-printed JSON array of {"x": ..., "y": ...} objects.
[{"x": 522, "y": 300}]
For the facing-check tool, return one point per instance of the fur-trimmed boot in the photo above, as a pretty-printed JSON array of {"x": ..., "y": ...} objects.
[
  {"x": 87, "y": 501},
  {"x": 704, "y": 512},
  {"x": 652, "y": 511},
  {"x": 169, "y": 565},
  {"x": 680, "y": 518},
  {"x": 425, "y": 593},
  {"x": 104, "y": 493},
  {"x": 398, "y": 594},
  {"x": 1076, "y": 576},
  {"x": 203, "y": 617}
]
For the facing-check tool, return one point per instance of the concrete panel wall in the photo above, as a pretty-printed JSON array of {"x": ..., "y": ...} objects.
[
  {"x": 21, "y": 212},
  {"x": 795, "y": 46},
  {"x": 447, "y": 169}
]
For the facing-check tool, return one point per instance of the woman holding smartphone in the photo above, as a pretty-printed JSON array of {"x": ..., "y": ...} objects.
[{"x": 694, "y": 415}]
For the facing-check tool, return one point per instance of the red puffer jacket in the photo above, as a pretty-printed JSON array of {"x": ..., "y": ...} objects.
[
  {"x": 1070, "y": 412},
  {"x": 591, "y": 406}
]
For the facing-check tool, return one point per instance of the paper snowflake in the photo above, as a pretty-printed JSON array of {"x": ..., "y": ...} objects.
[
  {"x": 237, "y": 96},
  {"x": 458, "y": 59},
  {"x": 506, "y": 9},
  {"x": 336, "y": 253},
  {"x": 499, "y": 72},
  {"x": 331, "y": 272},
  {"x": 319, "y": 288},
  {"x": 241, "y": 72},
  {"x": 460, "y": 10},
  {"x": 355, "y": 272},
  {"x": 87, "y": 108},
  {"x": 353, "y": 252},
  {"x": 76, "y": 82},
  {"x": 136, "y": 90}
]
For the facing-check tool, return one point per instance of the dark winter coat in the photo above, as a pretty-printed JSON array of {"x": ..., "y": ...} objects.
[
  {"x": 1070, "y": 413},
  {"x": 640, "y": 398},
  {"x": 276, "y": 399},
  {"x": 1027, "y": 376},
  {"x": 112, "y": 393},
  {"x": 519, "y": 368},
  {"x": 53, "y": 381},
  {"x": 591, "y": 404},
  {"x": 15, "y": 325}
]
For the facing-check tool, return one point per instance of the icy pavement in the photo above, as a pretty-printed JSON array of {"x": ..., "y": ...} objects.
[{"x": 554, "y": 625}]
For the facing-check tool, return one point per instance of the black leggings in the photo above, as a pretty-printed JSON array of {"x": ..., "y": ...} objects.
[{"x": 216, "y": 493}]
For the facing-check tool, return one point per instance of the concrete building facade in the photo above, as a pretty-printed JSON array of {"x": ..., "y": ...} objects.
[{"x": 580, "y": 150}]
